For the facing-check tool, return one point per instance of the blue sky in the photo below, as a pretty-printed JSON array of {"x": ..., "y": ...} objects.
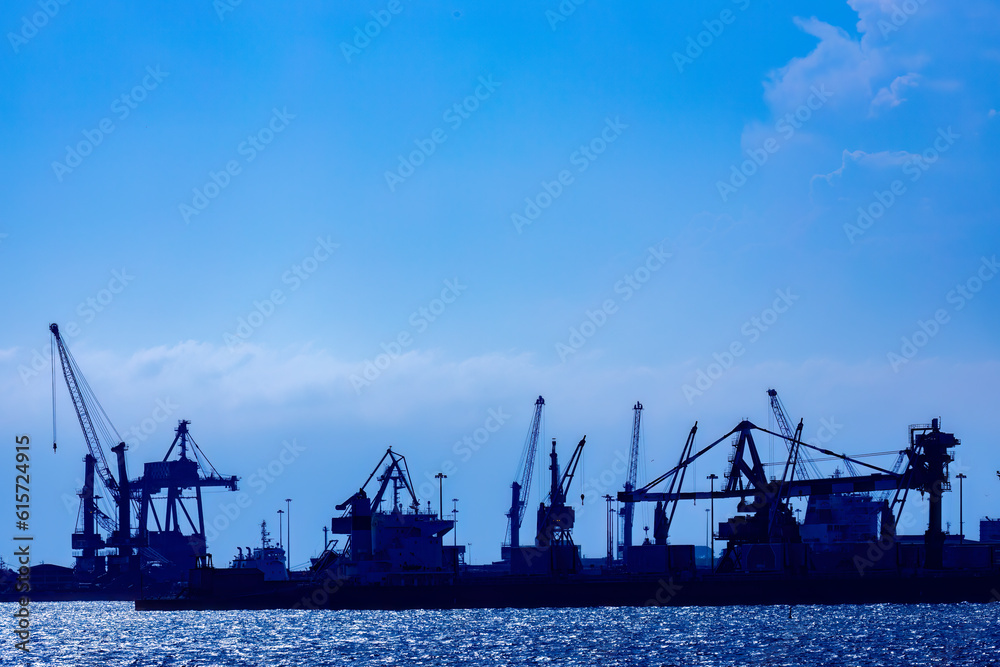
[{"x": 741, "y": 141}]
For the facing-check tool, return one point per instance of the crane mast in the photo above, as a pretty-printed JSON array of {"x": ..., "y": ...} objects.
[
  {"x": 520, "y": 490},
  {"x": 555, "y": 520},
  {"x": 628, "y": 512}
]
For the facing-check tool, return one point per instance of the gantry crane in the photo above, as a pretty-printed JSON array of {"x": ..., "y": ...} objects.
[
  {"x": 167, "y": 541},
  {"x": 526, "y": 466},
  {"x": 628, "y": 511},
  {"x": 771, "y": 519}
]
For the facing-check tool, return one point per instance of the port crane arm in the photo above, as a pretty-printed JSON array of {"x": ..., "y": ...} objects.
[
  {"x": 633, "y": 458},
  {"x": 628, "y": 511},
  {"x": 70, "y": 373},
  {"x": 795, "y": 488},
  {"x": 527, "y": 463},
  {"x": 520, "y": 491},
  {"x": 395, "y": 470},
  {"x": 574, "y": 461},
  {"x": 784, "y": 425}
]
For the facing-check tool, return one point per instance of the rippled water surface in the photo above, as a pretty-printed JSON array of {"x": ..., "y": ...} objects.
[{"x": 113, "y": 633}]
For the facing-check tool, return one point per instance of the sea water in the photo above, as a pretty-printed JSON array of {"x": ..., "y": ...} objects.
[{"x": 114, "y": 634}]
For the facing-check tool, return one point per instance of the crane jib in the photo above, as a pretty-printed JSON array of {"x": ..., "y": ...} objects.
[{"x": 76, "y": 393}]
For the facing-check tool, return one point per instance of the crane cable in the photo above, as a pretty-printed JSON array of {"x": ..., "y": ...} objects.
[{"x": 52, "y": 364}]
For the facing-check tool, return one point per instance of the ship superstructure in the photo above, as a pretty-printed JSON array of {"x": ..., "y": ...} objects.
[{"x": 397, "y": 543}]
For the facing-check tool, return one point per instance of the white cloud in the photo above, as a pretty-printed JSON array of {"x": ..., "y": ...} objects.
[
  {"x": 869, "y": 73},
  {"x": 871, "y": 161},
  {"x": 892, "y": 95},
  {"x": 846, "y": 66}
]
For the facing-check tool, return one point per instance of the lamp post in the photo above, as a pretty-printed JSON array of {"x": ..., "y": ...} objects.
[
  {"x": 280, "y": 513},
  {"x": 440, "y": 477},
  {"x": 708, "y": 527},
  {"x": 326, "y": 540},
  {"x": 288, "y": 529},
  {"x": 454, "y": 530},
  {"x": 611, "y": 539},
  {"x": 961, "y": 532},
  {"x": 711, "y": 478}
]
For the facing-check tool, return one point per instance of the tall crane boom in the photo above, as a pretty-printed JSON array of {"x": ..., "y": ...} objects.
[
  {"x": 785, "y": 427},
  {"x": 779, "y": 413},
  {"x": 70, "y": 373},
  {"x": 628, "y": 512},
  {"x": 570, "y": 472},
  {"x": 526, "y": 466}
]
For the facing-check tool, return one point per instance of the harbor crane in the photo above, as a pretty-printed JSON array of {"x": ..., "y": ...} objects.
[
  {"x": 526, "y": 466},
  {"x": 785, "y": 426},
  {"x": 555, "y": 520},
  {"x": 628, "y": 512},
  {"x": 168, "y": 542},
  {"x": 770, "y": 517},
  {"x": 403, "y": 532},
  {"x": 95, "y": 424}
]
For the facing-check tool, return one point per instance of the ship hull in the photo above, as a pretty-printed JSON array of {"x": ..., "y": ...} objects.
[{"x": 510, "y": 592}]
